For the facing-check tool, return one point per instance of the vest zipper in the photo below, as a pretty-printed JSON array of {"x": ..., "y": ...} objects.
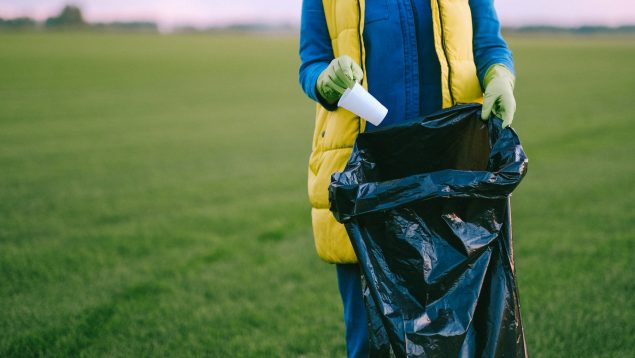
[
  {"x": 445, "y": 52},
  {"x": 361, "y": 54}
]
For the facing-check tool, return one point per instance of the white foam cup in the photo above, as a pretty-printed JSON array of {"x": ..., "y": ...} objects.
[{"x": 363, "y": 104}]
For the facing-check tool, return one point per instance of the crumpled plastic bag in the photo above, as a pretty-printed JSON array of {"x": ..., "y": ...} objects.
[{"x": 426, "y": 206}]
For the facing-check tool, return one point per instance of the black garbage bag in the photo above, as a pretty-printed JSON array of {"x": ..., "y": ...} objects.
[{"x": 426, "y": 206}]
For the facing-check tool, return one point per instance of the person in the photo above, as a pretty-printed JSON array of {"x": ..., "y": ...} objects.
[{"x": 416, "y": 57}]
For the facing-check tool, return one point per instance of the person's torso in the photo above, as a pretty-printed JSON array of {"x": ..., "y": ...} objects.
[{"x": 402, "y": 67}]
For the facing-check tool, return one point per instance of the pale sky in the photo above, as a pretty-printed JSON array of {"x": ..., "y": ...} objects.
[{"x": 201, "y": 13}]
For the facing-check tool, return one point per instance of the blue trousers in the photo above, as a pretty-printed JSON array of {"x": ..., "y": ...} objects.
[{"x": 350, "y": 285}]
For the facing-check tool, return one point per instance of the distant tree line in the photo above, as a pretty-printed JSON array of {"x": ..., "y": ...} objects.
[
  {"x": 241, "y": 28},
  {"x": 18, "y": 23},
  {"x": 582, "y": 30},
  {"x": 282, "y": 28},
  {"x": 71, "y": 18}
]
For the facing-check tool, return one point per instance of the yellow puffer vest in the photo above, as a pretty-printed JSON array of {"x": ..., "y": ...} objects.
[{"x": 335, "y": 132}]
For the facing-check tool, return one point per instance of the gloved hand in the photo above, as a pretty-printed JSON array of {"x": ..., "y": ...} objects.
[
  {"x": 342, "y": 73},
  {"x": 499, "y": 94}
]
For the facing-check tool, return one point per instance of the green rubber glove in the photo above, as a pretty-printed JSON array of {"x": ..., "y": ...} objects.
[
  {"x": 342, "y": 73},
  {"x": 499, "y": 94}
]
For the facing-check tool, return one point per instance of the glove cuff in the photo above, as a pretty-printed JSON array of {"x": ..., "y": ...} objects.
[
  {"x": 328, "y": 106},
  {"x": 500, "y": 71}
]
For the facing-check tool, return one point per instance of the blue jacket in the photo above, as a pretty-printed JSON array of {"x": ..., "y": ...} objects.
[{"x": 402, "y": 67}]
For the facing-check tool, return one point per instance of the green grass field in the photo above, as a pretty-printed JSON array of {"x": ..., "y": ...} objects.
[{"x": 153, "y": 198}]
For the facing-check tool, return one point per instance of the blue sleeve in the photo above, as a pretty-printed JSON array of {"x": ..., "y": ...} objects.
[
  {"x": 316, "y": 51},
  {"x": 489, "y": 46}
]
